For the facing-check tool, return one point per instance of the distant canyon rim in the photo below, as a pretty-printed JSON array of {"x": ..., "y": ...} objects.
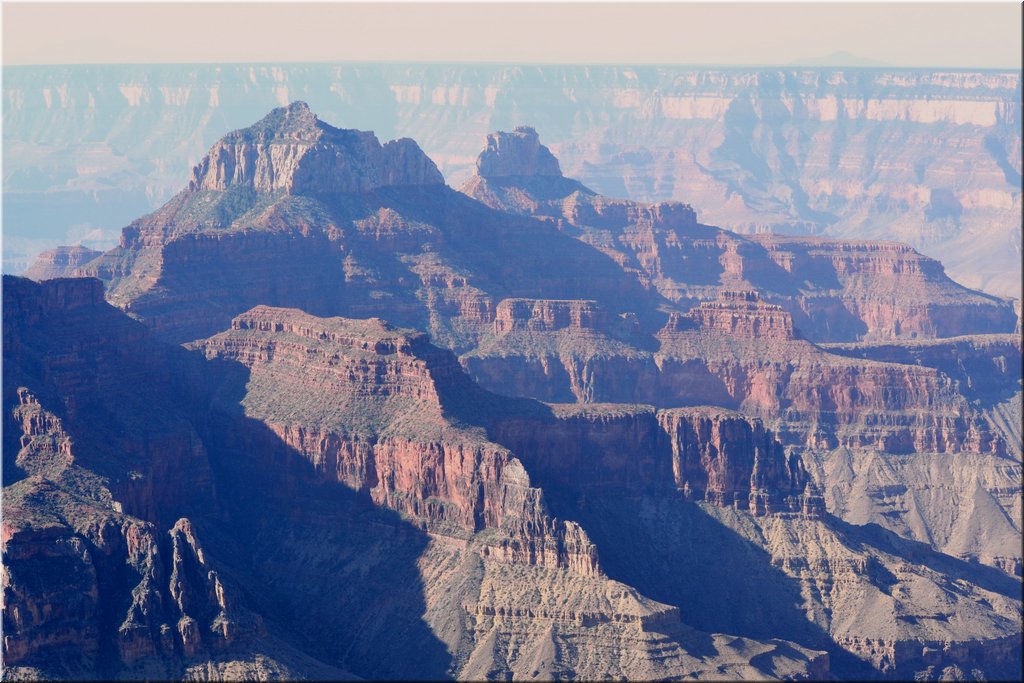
[
  {"x": 931, "y": 158},
  {"x": 325, "y": 414}
]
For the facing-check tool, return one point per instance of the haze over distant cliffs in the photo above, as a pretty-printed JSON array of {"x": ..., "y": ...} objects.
[
  {"x": 928, "y": 158},
  {"x": 323, "y": 416}
]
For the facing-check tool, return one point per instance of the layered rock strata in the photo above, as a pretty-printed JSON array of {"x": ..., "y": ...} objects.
[
  {"x": 385, "y": 432},
  {"x": 59, "y": 262},
  {"x": 835, "y": 290},
  {"x": 742, "y": 353},
  {"x": 928, "y": 157}
]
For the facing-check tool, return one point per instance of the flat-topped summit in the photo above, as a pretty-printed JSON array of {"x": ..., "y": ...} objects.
[
  {"x": 59, "y": 262},
  {"x": 516, "y": 154},
  {"x": 290, "y": 149},
  {"x": 516, "y": 173}
]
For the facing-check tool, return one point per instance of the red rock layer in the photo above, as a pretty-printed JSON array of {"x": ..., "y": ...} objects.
[
  {"x": 729, "y": 459},
  {"x": 745, "y": 355},
  {"x": 704, "y": 453},
  {"x": 403, "y": 452},
  {"x": 891, "y": 289},
  {"x": 744, "y": 316},
  {"x": 819, "y": 399},
  {"x": 545, "y": 315},
  {"x": 835, "y": 290}
]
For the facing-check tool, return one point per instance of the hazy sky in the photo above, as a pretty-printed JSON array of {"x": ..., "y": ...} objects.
[{"x": 915, "y": 34}]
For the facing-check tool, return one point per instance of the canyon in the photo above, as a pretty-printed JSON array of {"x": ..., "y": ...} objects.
[
  {"x": 390, "y": 429},
  {"x": 930, "y": 158}
]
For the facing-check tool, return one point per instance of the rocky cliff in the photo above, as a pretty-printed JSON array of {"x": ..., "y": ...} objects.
[
  {"x": 305, "y": 494},
  {"x": 741, "y": 353},
  {"x": 280, "y": 503},
  {"x": 102, "y": 576},
  {"x": 926, "y": 157},
  {"x": 292, "y": 151},
  {"x": 384, "y": 430},
  {"x": 473, "y": 514},
  {"x": 835, "y": 290},
  {"x": 60, "y": 262},
  {"x": 418, "y": 254},
  {"x": 655, "y": 308}
]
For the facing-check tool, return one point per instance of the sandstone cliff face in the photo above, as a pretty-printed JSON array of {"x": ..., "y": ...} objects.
[
  {"x": 835, "y": 290},
  {"x": 292, "y": 151},
  {"x": 741, "y": 353},
  {"x": 724, "y": 458},
  {"x": 412, "y": 251},
  {"x": 890, "y": 289},
  {"x": 987, "y": 367},
  {"x": 634, "y": 452},
  {"x": 741, "y": 315},
  {"x": 548, "y": 316},
  {"x": 384, "y": 430},
  {"x": 928, "y": 157},
  {"x": 518, "y": 153},
  {"x": 400, "y": 460},
  {"x": 494, "y": 584},
  {"x": 888, "y": 407}
]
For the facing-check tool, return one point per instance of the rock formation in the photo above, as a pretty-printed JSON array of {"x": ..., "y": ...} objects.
[
  {"x": 836, "y": 291},
  {"x": 743, "y": 354},
  {"x": 59, "y": 262},
  {"x": 516, "y": 154},
  {"x": 206, "y": 594},
  {"x": 346, "y": 471},
  {"x": 923, "y": 156}
]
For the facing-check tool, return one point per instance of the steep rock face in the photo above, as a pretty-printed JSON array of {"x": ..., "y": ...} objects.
[
  {"x": 856, "y": 404},
  {"x": 927, "y": 157},
  {"x": 84, "y": 382},
  {"x": 741, "y": 353},
  {"x": 384, "y": 430},
  {"x": 547, "y": 315},
  {"x": 87, "y": 589},
  {"x": 591, "y": 450},
  {"x": 518, "y": 153},
  {"x": 59, "y": 262},
  {"x": 889, "y": 289},
  {"x": 742, "y": 315},
  {"x": 835, "y": 290},
  {"x": 987, "y": 367},
  {"x": 706, "y": 453},
  {"x": 249, "y": 588},
  {"x": 724, "y": 458},
  {"x": 292, "y": 151},
  {"x": 419, "y": 255},
  {"x": 501, "y": 598},
  {"x": 101, "y": 455},
  {"x": 288, "y": 152}
]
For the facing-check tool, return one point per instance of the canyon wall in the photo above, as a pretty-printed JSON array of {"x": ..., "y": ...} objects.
[{"x": 927, "y": 157}]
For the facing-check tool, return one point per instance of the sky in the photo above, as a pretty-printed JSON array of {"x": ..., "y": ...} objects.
[{"x": 920, "y": 34}]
